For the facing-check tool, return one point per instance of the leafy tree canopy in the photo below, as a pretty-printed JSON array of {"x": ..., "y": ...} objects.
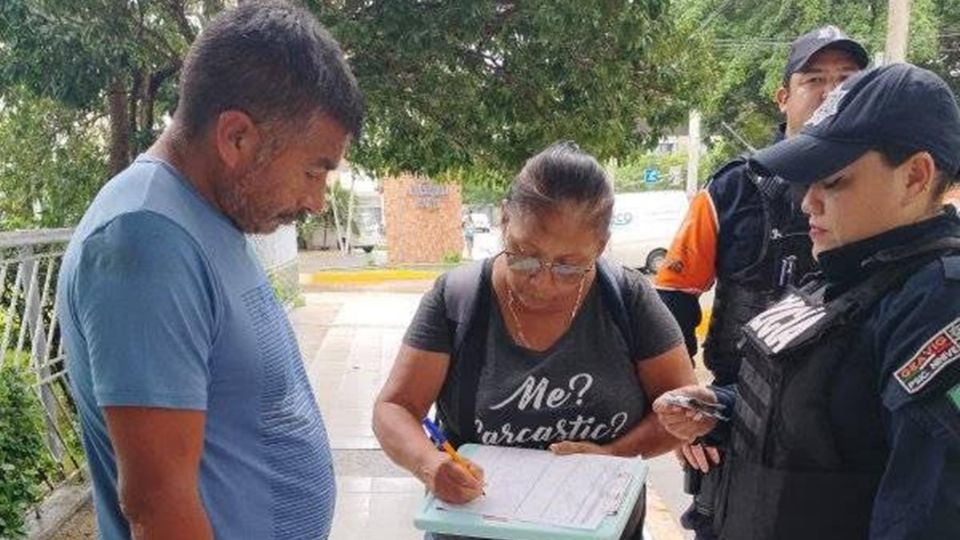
[
  {"x": 455, "y": 90},
  {"x": 747, "y": 42},
  {"x": 473, "y": 89}
]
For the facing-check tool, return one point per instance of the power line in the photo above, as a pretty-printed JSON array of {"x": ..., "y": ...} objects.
[{"x": 710, "y": 17}]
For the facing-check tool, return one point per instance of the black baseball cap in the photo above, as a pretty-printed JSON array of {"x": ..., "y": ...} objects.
[
  {"x": 827, "y": 37},
  {"x": 898, "y": 105}
]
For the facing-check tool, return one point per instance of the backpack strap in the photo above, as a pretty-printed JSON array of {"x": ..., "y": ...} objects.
[
  {"x": 465, "y": 303},
  {"x": 618, "y": 297},
  {"x": 460, "y": 293}
]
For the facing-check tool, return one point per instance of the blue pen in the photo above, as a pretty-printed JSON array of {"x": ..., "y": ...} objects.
[{"x": 438, "y": 439}]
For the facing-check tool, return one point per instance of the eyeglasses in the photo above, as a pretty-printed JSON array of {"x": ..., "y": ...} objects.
[{"x": 525, "y": 264}]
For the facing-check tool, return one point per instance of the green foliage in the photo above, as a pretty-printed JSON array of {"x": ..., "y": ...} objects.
[
  {"x": 52, "y": 162},
  {"x": 748, "y": 41},
  {"x": 478, "y": 193},
  {"x": 72, "y": 50},
  {"x": 472, "y": 89},
  {"x": 717, "y": 155},
  {"x": 336, "y": 196},
  {"x": 94, "y": 76},
  {"x": 628, "y": 175},
  {"x": 452, "y": 257},
  {"x": 461, "y": 91},
  {"x": 287, "y": 291},
  {"x": 24, "y": 461},
  {"x": 944, "y": 16}
]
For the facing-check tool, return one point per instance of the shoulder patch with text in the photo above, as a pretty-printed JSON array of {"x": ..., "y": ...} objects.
[{"x": 936, "y": 354}]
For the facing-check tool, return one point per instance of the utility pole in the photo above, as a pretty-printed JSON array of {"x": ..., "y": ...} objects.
[
  {"x": 350, "y": 203},
  {"x": 693, "y": 152},
  {"x": 898, "y": 22}
]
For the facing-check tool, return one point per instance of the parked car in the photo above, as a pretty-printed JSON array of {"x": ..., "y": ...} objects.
[
  {"x": 643, "y": 226},
  {"x": 369, "y": 228},
  {"x": 486, "y": 244},
  {"x": 367, "y": 231}
]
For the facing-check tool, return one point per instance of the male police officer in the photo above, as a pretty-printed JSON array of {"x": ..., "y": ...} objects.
[{"x": 746, "y": 232}]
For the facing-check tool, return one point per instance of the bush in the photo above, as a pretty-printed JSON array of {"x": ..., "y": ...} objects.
[
  {"x": 285, "y": 286},
  {"x": 452, "y": 257},
  {"x": 25, "y": 463},
  {"x": 628, "y": 174}
]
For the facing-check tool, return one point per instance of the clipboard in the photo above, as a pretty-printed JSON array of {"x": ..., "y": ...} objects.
[{"x": 432, "y": 519}]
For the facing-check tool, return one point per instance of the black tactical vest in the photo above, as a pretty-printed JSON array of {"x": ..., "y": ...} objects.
[
  {"x": 784, "y": 257},
  {"x": 784, "y": 478}
]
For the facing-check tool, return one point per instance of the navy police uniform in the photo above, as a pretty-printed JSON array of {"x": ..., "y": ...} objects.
[
  {"x": 846, "y": 420},
  {"x": 751, "y": 225}
]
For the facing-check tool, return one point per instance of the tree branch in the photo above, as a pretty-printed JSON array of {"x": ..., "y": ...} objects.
[{"x": 177, "y": 10}]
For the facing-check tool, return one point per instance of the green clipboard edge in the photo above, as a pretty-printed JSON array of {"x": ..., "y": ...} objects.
[{"x": 446, "y": 522}]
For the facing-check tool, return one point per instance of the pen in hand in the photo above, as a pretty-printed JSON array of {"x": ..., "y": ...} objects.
[{"x": 443, "y": 444}]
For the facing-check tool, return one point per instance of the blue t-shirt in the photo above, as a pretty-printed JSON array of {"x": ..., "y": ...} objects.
[{"x": 164, "y": 304}]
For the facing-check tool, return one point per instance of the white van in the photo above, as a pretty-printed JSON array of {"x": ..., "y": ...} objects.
[{"x": 643, "y": 226}]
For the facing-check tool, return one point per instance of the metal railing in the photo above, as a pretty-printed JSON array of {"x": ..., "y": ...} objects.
[{"x": 30, "y": 338}]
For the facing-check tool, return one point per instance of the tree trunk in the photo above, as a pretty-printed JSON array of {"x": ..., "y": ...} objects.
[
  {"x": 119, "y": 127},
  {"x": 149, "y": 100},
  {"x": 133, "y": 100}
]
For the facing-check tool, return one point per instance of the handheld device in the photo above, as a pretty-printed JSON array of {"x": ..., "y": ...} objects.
[{"x": 712, "y": 410}]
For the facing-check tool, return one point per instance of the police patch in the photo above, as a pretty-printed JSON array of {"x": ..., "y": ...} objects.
[
  {"x": 785, "y": 322},
  {"x": 936, "y": 354}
]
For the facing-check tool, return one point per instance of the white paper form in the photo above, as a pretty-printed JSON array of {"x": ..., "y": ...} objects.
[{"x": 537, "y": 486}]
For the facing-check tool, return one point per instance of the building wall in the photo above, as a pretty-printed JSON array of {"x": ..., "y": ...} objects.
[{"x": 422, "y": 220}]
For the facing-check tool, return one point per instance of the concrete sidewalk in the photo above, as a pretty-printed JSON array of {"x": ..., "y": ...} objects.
[{"x": 349, "y": 341}]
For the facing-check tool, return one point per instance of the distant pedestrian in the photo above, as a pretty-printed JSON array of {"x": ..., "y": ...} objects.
[{"x": 469, "y": 230}]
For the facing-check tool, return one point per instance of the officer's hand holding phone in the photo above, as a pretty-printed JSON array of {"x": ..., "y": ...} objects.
[{"x": 688, "y": 412}]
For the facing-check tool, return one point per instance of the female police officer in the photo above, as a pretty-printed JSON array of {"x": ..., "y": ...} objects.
[{"x": 846, "y": 422}]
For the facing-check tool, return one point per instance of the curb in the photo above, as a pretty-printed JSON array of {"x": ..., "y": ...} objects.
[
  {"x": 366, "y": 276},
  {"x": 56, "y": 510}
]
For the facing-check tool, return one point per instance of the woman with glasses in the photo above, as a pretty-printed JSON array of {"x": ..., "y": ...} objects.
[{"x": 551, "y": 352}]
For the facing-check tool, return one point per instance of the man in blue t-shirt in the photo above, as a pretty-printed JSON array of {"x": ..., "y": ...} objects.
[{"x": 197, "y": 416}]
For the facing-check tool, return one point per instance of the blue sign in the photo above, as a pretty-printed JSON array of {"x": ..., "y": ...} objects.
[{"x": 651, "y": 176}]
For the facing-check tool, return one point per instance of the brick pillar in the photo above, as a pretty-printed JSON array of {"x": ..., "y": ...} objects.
[{"x": 422, "y": 219}]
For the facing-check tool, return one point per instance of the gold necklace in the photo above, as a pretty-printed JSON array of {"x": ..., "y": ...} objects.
[{"x": 511, "y": 305}]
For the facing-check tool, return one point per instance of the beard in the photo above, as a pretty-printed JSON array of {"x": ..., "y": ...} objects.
[
  {"x": 237, "y": 198},
  {"x": 245, "y": 199}
]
